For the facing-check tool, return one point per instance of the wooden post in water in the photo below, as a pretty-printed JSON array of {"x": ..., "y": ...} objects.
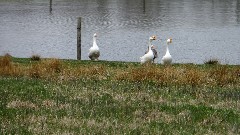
[
  {"x": 50, "y": 6},
  {"x": 144, "y": 6},
  {"x": 79, "y": 39}
]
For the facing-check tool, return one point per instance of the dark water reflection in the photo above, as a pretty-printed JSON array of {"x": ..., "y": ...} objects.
[{"x": 200, "y": 30}]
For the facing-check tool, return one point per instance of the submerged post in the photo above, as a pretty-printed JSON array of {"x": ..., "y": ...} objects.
[
  {"x": 50, "y": 6},
  {"x": 144, "y": 6},
  {"x": 79, "y": 39}
]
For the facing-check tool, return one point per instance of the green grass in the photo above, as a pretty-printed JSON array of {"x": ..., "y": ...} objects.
[{"x": 85, "y": 97}]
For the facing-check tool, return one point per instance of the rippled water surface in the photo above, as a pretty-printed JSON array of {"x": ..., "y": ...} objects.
[{"x": 201, "y": 29}]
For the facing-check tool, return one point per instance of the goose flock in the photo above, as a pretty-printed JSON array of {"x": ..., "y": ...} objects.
[{"x": 150, "y": 55}]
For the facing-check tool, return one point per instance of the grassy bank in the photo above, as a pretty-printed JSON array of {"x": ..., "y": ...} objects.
[{"x": 52, "y": 96}]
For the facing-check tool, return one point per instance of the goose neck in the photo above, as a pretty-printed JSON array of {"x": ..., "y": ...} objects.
[
  {"x": 149, "y": 44},
  {"x": 167, "y": 50},
  {"x": 94, "y": 41}
]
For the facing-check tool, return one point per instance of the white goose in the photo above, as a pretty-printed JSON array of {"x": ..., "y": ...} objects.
[
  {"x": 167, "y": 58},
  {"x": 94, "y": 52},
  {"x": 148, "y": 57},
  {"x": 155, "y": 53}
]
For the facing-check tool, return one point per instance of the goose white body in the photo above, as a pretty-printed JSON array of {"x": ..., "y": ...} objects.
[
  {"x": 94, "y": 51},
  {"x": 155, "y": 53},
  {"x": 167, "y": 58},
  {"x": 148, "y": 57}
]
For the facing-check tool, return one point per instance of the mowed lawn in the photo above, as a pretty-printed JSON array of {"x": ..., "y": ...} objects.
[{"x": 52, "y": 96}]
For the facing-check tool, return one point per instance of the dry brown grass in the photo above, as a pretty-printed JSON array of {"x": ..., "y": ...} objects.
[
  {"x": 21, "y": 104},
  {"x": 5, "y": 61},
  {"x": 221, "y": 75},
  {"x": 193, "y": 75},
  {"x": 7, "y": 67},
  {"x": 45, "y": 69},
  {"x": 162, "y": 75},
  {"x": 218, "y": 75},
  {"x": 98, "y": 70},
  {"x": 48, "y": 68}
]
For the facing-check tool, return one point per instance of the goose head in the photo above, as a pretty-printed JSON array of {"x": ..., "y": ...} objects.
[
  {"x": 169, "y": 40},
  {"x": 95, "y": 35},
  {"x": 152, "y": 38}
]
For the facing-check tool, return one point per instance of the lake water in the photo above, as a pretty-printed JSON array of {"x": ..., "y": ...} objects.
[{"x": 201, "y": 29}]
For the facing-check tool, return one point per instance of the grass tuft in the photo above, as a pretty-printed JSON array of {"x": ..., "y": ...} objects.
[
  {"x": 5, "y": 61},
  {"x": 53, "y": 65},
  {"x": 35, "y": 71},
  {"x": 45, "y": 69},
  {"x": 7, "y": 67},
  {"x": 212, "y": 62},
  {"x": 224, "y": 76},
  {"x": 35, "y": 58}
]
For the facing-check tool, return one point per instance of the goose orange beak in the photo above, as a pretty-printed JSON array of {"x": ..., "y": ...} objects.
[{"x": 154, "y": 37}]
